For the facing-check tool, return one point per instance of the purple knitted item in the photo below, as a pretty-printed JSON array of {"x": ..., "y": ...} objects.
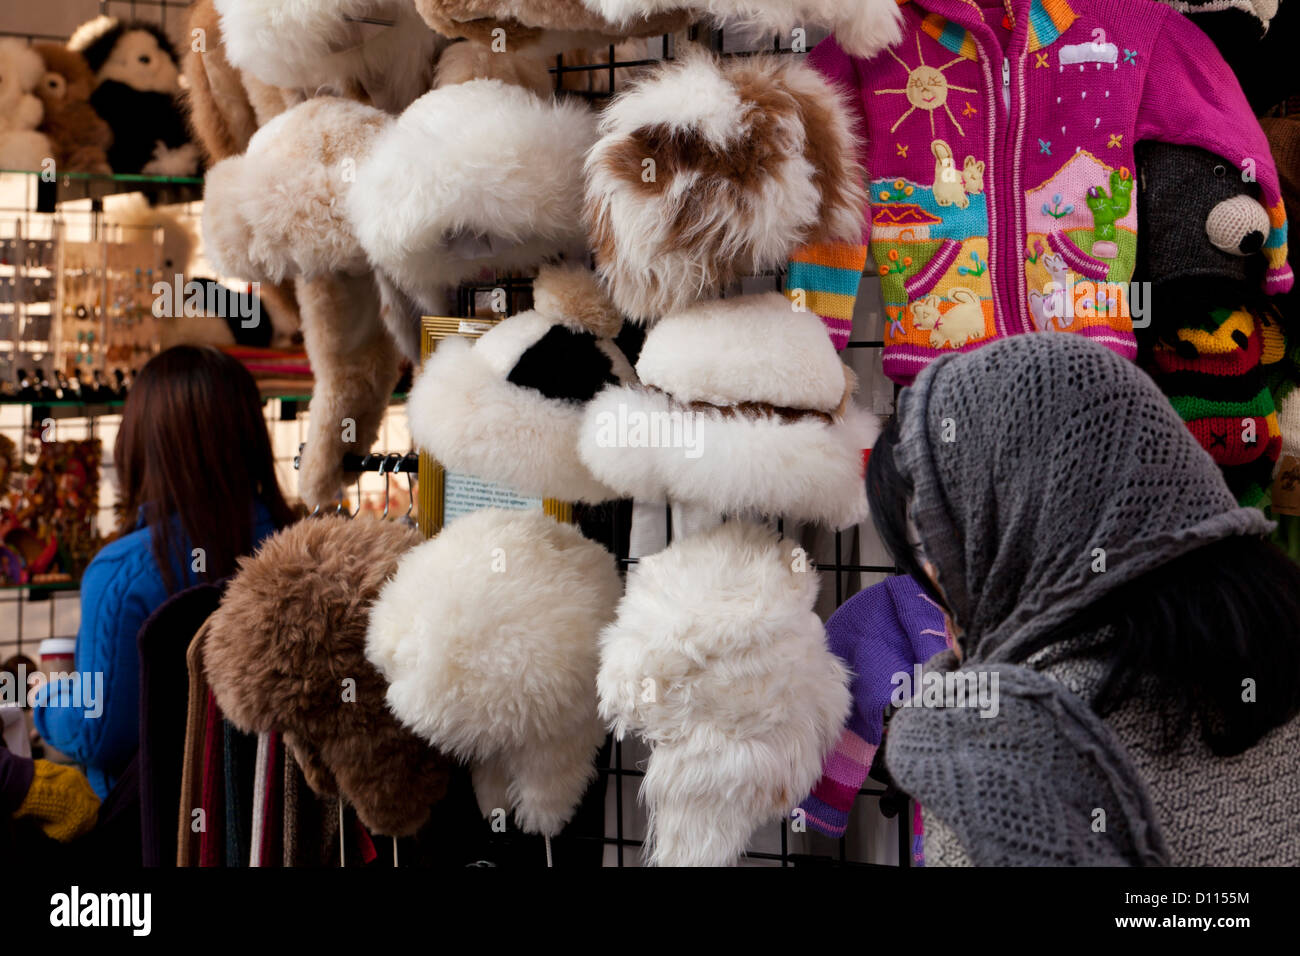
[{"x": 880, "y": 632}]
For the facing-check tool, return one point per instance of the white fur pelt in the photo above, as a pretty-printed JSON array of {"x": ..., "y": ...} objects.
[
  {"x": 718, "y": 661},
  {"x": 721, "y": 352},
  {"x": 472, "y": 177},
  {"x": 309, "y": 45},
  {"x": 277, "y": 210},
  {"x": 862, "y": 27},
  {"x": 709, "y": 169},
  {"x": 464, "y": 411},
  {"x": 488, "y": 636}
]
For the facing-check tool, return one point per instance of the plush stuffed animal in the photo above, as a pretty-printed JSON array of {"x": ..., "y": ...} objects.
[
  {"x": 138, "y": 82},
  {"x": 1214, "y": 344},
  {"x": 81, "y": 138},
  {"x": 21, "y": 146},
  {"x": 545, "y": 27}
]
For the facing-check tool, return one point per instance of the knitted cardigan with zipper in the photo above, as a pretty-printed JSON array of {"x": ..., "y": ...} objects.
[{"x": 1002, "y": 178}]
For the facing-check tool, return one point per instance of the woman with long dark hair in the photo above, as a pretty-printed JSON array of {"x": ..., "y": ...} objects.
[
  {"x": 1124, "y": 681},
  {"x": 198, "y": 490}
]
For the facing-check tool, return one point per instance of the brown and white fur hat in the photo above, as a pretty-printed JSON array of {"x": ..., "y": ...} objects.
[
  {"x": 742, "y": 407},
  {"x": 509, "y": 408},
  {"x": 710, "y": 169},
  {"x": 862, "y": 27},
  {"x": 287, "y": 639},
  {"x": 719, "y": 661},
  {"x": 472, "y": 178},
  {"x": 277, "y": 210},
  {"x": 488, "y": 637},
  {"x": 546, "y": 27}
]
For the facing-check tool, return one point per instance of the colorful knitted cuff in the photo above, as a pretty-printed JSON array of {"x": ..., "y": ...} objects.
[
  {"x": 843, "y": 772},
  {"x": 826, "y": 278}
]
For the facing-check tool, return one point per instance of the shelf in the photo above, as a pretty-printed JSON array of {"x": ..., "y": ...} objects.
[{"x": 69, "y": 187}]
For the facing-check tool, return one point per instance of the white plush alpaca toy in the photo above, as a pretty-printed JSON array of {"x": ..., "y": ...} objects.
[{"x": 21, "y": 69}]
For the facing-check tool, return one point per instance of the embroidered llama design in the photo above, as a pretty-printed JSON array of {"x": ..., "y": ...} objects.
[{"x": 954, "y": 328}]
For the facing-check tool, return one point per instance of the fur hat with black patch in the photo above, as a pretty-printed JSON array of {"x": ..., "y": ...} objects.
[
  {"x": 277, "y": 210},
  {"x": 509, "y": 407},
  {"x": 742, "y": 407},
  {"x": 718, "y": 660},
  {"x": 473, "y": 178},
  {"x": 710, "y": 169},
  {"x": 547, "y": 27},
  {"x": 488, "y": 637},
  {"x": 376, "y": 50},
  {"x": 862, "y": 27},
  {"x": 286, "y": 652}
]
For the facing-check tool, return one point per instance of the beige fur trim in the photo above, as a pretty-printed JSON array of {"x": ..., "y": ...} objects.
[{"x": 572, "y": 296}]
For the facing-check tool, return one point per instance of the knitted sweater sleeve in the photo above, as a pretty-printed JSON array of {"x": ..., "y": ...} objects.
[
  {"x": 1190, "y": 97},
  {"x": 824, "y": 277}
]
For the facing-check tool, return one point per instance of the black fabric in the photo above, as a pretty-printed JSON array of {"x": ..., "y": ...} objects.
[
  {"x": 238, "y": 305},
  {"x": 564, "y": 364},
  {"x": 163, "y": 640},
  {"x": 139, "y": 120},
  {"x": 1264, "y": 62},
  {"x": 240, "y": 756}
]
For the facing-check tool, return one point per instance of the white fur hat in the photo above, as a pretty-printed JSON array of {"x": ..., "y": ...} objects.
[
  {"x": 718, "y": 660},
  {"x": 710, "y": 169},
  {"x": 333, "y": 46},
  {"x": 862, "y": 27},
  {"x": 742, "y": 406},
  {"x": 509, "y": 408},
  {"x": 472, "y": 177},
  {"x": 277, "y": 210},
  {"x": 487, "y": 635}
]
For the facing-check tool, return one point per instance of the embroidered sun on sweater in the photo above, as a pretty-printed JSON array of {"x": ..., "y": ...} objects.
[{"x": 1001, "y": 164}]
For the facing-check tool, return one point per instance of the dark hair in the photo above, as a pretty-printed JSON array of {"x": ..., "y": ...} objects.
[
  {"x": 193, "y": 453},
  {"x": 1199, "y": 626}
]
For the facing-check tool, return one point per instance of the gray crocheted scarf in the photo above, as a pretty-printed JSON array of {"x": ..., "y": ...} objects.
[{"x": 1047, "y": 472}]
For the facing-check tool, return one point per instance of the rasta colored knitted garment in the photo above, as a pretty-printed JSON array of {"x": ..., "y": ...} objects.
[
  {"x": 1216, "y": 377},
  {"x": 878, "y": 633},
  {"x": 1002, "y": 193}
]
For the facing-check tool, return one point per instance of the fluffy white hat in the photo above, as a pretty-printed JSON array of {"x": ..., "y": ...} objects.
[
  {"x": 509, "y": 408},
  {"x": 742, "y": 406},
  {"x": 472, "y": 177},
  {"x": 718, "y": 660},
  {"x": 342, "y": 47},
  {"x": 709, "y": 169},
  {"x": 488, "y": 636},
  {"x": 277, "y": 210},
  {"x": 862, "y": 27}
]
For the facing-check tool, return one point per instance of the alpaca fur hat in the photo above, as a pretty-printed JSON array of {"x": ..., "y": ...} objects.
[
  {"x": 487, "y": 635},
  {"x": 747, "y": 699},
  {"x": 742, "y": 406},
  {"x": 341, "y": 47},
  {"x": 509, "y": 408},
  {"x": 277, "y": 210},
  {"x": 472, "y": 177},
  {"x": 752, "y": 158},
  {"x": 545, "y": 26},
  {"x": 862, "y": 27},
  {"x": 290, "y": 633}
]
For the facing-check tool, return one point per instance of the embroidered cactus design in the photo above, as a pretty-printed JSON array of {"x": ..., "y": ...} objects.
[
  {"x": 976, "y": 270},
  {"x": 1107, "y": 209},
  {"x": 1056, "y": 210}
]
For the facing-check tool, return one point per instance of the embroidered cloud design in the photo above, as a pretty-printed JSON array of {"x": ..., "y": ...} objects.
[{"x": 1098, "y": 53}]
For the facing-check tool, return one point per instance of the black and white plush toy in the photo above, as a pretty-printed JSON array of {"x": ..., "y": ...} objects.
[{"x": 137, "y": 82}]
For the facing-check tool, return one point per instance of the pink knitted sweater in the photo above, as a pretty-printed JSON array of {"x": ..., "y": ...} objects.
[{"x": 1001, "y": 166}]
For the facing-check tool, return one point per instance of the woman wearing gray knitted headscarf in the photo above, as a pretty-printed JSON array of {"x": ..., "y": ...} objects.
[{"x": 1124, "y": 682}]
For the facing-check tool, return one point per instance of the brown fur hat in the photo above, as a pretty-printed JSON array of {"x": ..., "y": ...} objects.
[
  {"x": 286, "y": 651},
  {"x": 80, "y": 138},
  {"x": 549, "y": 26},
  {"x": 710, "y": 169}
]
